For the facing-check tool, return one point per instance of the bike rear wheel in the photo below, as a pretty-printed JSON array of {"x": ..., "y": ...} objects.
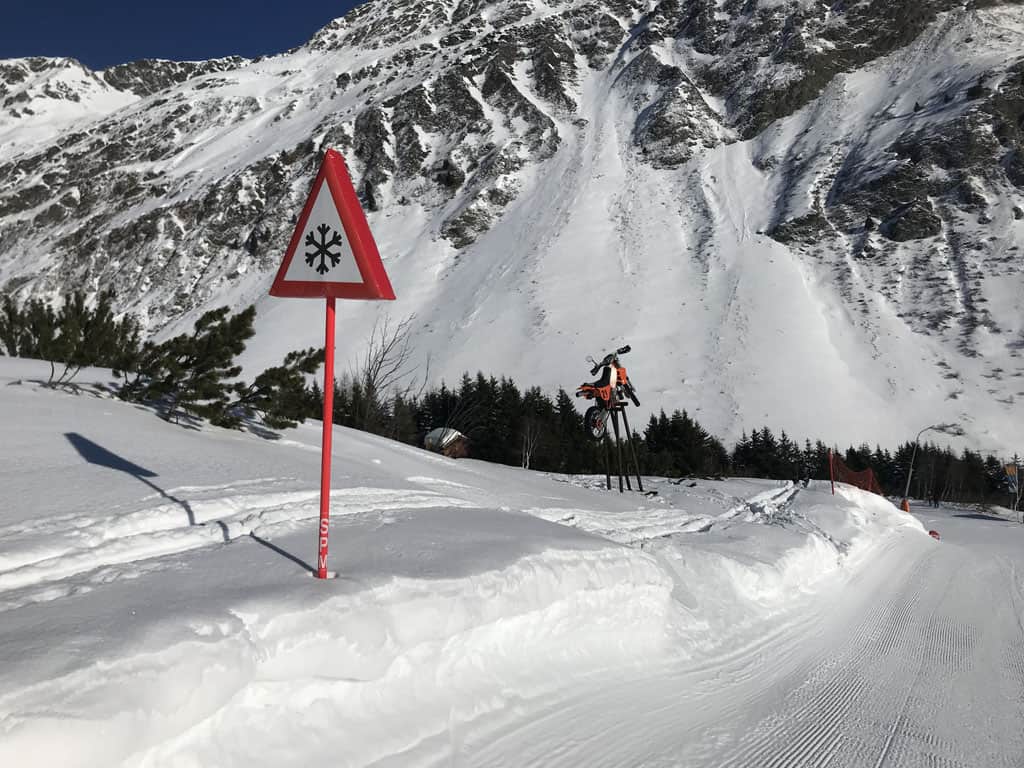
[{"x": 595, "y": 422}]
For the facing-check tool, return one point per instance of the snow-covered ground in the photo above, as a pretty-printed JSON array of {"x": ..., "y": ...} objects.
[{"x": 157, "y": 609}]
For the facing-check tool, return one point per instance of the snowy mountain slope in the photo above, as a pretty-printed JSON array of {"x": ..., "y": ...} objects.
[
  {"x": 157, "y": 608},
  {"x": 746, "y": 193},
  {"x": 42, "y": 98}
]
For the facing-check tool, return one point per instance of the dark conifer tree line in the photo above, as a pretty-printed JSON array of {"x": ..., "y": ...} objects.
[
  {"x": 70, "y": 338},
  {"x": 530, "y": 429},
  {"x": 195, "y": 375},
  {"x": 191, "y": 375},
  {"x": 503, "y": 424},
  {"x": 938, "y": 472}
]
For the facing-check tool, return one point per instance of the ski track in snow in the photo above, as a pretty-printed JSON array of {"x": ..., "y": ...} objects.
[{"x": 37, "y": 552}]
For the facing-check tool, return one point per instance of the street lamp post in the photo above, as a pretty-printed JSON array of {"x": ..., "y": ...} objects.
[{"x": 948, "y": 429}]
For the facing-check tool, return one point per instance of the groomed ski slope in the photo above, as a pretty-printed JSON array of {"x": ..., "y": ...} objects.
[{"x": 156, "y": 610}]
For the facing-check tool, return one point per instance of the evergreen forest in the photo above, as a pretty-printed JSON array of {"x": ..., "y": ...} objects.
[{"x": 195, "y": 376}]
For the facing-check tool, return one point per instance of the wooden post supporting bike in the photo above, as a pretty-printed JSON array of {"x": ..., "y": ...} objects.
[
  {"x": 632, "y": 448},
  {"x": 618, "y": 445},
  {"x": 607, "y": 461},
  {"x": 622, "y": 410}
]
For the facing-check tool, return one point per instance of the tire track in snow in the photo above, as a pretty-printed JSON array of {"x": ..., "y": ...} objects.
[
  {"x": 972, "y": 627},
  {"x": 922, "y": 669}
]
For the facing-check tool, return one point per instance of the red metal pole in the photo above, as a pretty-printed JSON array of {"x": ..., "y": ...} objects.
[
  {"x": 831, "y": 474},
  {"x": 325, "y": 454}
]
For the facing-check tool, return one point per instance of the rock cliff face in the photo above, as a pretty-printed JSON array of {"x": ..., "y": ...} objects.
[
  {"x": 41, "y": 97},
  {"x": 539, "y": 156},
  {"x": 149, "y": 76}
]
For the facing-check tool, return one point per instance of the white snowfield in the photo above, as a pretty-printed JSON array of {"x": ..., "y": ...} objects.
[{"x": 157, "y": 609}]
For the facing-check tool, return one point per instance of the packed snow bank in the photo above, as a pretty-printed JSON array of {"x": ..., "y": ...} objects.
[
  {"x": 741, "y": 551},
  {"x": 374, "y": 664},
  {"x": 157, "y": 606}
]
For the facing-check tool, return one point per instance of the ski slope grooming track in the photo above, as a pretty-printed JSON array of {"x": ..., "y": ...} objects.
[{"x": 922, "y": 665}]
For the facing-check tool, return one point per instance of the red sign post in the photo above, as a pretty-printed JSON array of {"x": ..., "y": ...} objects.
[{"x": 339, "y": 260}]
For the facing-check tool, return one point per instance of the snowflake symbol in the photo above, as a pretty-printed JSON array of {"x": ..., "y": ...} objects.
[{"x": 322, "y": 248}]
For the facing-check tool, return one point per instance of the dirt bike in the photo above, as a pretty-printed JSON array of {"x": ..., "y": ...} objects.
[{"x": 610, "y": 392}]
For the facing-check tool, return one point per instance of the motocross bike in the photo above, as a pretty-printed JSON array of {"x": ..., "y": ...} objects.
[{"x": 610, "y": 392}]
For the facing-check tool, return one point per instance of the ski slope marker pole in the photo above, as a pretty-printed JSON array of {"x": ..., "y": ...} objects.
[
  {"x": 831, "y": 476},
  {"x": 325, "y": 456}
]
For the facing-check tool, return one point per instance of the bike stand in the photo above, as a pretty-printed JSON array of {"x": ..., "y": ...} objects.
[
  {"x": 607, "y": 461},
  {"x": 615, "y": 411}
]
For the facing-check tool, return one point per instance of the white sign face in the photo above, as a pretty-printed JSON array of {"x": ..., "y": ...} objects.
[{"x": 324, "y": 255}]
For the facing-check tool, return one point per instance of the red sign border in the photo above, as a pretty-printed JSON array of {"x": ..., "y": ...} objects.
[{"x": 375, "y": 285}]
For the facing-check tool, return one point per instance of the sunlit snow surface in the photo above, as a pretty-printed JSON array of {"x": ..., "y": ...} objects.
[{"x": 156, "y": 605}]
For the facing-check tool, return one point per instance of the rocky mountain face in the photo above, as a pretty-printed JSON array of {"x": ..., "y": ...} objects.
[
  {"x": 656, "y": 154},
  {"x": 41, "y": 97},
  {"x": 150, "y": 76}
]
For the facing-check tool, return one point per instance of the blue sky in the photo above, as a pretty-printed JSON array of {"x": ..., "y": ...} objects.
[{"x": 100, "y": 33}]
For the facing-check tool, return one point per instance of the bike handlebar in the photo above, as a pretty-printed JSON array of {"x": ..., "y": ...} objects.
[{"x": 609, "y": 359}]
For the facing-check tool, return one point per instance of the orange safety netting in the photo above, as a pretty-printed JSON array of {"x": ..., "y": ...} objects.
[{"x": 841, "y": 473}]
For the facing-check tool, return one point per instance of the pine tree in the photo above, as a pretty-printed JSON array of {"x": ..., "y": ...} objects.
[
  {"x": 403, "y": 420},
  {"x": 788, "y": 463},
  {"x": 71, "y": 338},
  {"x": 314, "y": 400},
  {"x": 191, "y": 373},
  {"x": 536, "y": 415},
  {"x": 278, "y": 395},
  {"x": 767, "y": 454},
  {"x": 576, "y": 452},
  {"x": 93, "y": 336},
  {"x": 43, "y": 339},
  {"x": 14, "y": 339},
  {"x": 742, "y": 455}
]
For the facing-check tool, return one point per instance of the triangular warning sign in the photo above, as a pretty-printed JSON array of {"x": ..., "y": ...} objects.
[{"x": 332, "y": 252}]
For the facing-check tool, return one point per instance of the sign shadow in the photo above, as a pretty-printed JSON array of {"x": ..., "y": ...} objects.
[
  {"x": 96, "y": 454},
  {"x": 283, "y": 553}
]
